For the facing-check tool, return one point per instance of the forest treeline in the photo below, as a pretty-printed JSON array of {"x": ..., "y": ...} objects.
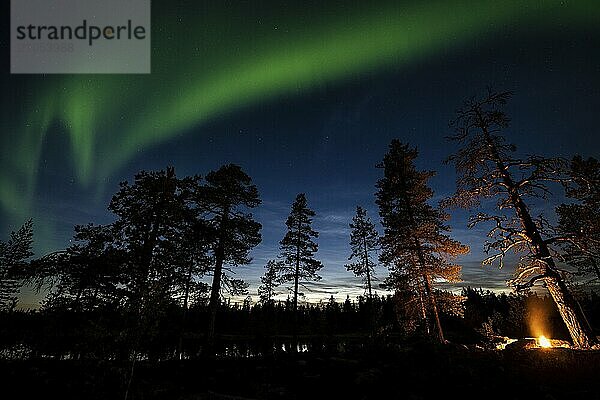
[
  {"x": 252, "y": 330},
  {"x": 136, "y": 287}
]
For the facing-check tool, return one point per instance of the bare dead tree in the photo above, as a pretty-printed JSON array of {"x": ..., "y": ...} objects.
[{"x": 487, "y": 168}]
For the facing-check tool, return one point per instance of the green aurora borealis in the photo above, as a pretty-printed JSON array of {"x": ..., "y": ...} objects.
[{"x": 208, "y": 62}]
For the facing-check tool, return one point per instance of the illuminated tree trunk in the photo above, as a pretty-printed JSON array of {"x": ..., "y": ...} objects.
[
  {"x": 423, "y": 310},
  {"x": 571, "y": 313},
  {"x": 434, "y": 309},
  {"x": 567, "y": 305},
  {"x": 429, "y": 292}
]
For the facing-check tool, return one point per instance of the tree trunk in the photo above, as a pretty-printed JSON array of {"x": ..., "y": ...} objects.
[
  {"x": 77, "y": 304},
  {"x": 571, "y": 312},
  {"x": 423, "y": 310},
  {"x": 429, "y": 292},
  {"x": 567, "y": 305},
  {"x": 367, "y": 266},
  {"x": 369, "y": 283},
  {"x": 215, "y": 297},
  {"x": 186, "y": 296},
  {"x": 143, "y": 293},
  {"x": 434, "y": 310},
  {"x": 215, "y": 293},
  {"x": 426, "y": 276},
  {"x": 595, "y": 266},
  {"x": 296, "y": 279},
  {"x": 95, "y": 297}
]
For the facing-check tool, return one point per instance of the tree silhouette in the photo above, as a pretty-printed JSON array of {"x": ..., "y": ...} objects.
[
  {"x": 150, "y": 223},
  {"x": 266, "y": 291},
  {"x": 193, "y": 250},
  {"x": 13, "y": 257},
  {"x": 415, "y": 245},
  {"x": 224, "y": 198},
  {"x": 364, "y": 240},
  {"x": 487, "y": 168},
  {"x": 579, "y": 223},
  {"x": 87, "y": 275},
  {"x": 298, "y": 249}
]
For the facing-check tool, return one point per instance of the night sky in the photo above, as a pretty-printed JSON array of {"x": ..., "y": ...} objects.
[{"x": 305, "y": 96}]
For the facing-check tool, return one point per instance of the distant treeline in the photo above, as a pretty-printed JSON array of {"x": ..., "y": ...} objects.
[{"x": 265, "y": 329}]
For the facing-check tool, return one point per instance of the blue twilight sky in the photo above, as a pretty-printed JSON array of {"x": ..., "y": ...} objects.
[{"x": 325, "y": 138}]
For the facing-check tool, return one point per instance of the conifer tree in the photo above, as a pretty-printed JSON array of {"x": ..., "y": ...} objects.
[
  {"x": 298, "y": 250},
  {"x": 266, "y": 291},
  {"x": 364, "y": 240},
  {"x": 224, "y": 201},
  {"x": 150, "y": 219},
  {"x": 13, "y": 258},
  {"x": 194, "y": 251},
  {"x": 90, "y": 273},
  {"x": 579, "y": 221},
  {"x": 415, "y": 244}
]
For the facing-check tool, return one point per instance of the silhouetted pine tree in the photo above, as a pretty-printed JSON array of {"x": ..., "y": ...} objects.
[
  {"x": 193, "y": 246},
  {"x": 87, "y": 275},
  {"x": 228, "y": 192},
  {"x": 487, "y": 168},
  {"x": 364, "y": 240},
  {"x": 298, "y": 250},
  {"x": 266, "y": 291},
  {"x": 152, "y": 215},
  {"x": 13, "y": 259},
  {"x": 193, "y": 249},
  {"x": 579, "y": 223},
  {"x": 150, "y": 223},
  {"x": 415, "y": 245}
]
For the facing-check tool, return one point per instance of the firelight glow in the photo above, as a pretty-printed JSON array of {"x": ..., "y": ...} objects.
[{"x": 544, "y": 342}]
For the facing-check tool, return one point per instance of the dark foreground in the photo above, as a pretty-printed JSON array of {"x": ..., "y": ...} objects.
[{"x": 416, "y": 372}]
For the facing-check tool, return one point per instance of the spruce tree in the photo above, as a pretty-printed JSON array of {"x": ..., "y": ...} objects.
[
  {"x": 415, "y": 244},
  {"x": 364, "y": 240},
  {"x": 266, "y": 291},
  {"x": 298, "y": 250}
]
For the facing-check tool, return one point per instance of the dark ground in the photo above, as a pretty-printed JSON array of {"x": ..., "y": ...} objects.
[{"x": 420, "y": 371}]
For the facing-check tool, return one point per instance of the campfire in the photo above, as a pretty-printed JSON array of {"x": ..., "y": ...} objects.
[
  {"x": 540, "y": 342},
  {"x": 543, "y": 342},
  {"x": 546, "y": 343}
]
